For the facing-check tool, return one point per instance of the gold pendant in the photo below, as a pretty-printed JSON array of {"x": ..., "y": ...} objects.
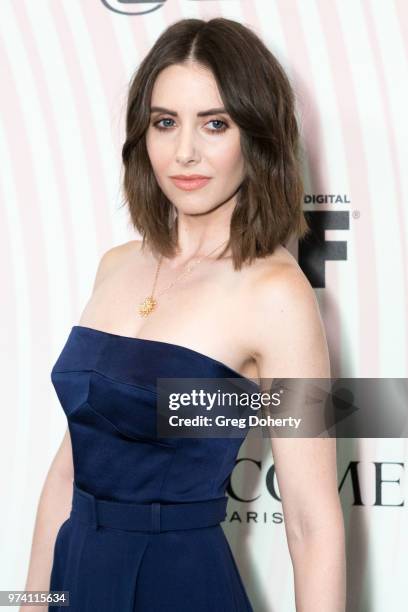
[{"x": 147, "y": 306}]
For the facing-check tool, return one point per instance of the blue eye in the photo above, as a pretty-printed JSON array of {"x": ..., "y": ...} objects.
[
  {"x": 162, "y": 128},
  {"x": 223, "y": 127}
]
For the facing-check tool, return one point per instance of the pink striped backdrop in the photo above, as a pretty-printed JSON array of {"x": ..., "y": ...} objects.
[{"x": 65, "y": 66}]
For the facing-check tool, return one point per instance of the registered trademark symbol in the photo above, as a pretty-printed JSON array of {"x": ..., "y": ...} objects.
[{"x": 355, "y": 214}]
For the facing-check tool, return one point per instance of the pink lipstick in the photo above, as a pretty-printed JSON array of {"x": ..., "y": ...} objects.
[{"x": 190, "y": 182}]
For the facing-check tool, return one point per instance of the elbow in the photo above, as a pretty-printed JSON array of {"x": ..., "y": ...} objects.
[
  {"x": 325, "y": 533},
  {"x": 329, "y": 526}
]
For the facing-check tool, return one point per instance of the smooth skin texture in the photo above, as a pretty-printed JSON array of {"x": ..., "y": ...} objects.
[{"x": 262, "y": 321}]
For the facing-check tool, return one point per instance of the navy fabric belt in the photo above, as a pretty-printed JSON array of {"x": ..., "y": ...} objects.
[{"x": 153, "y": 517}]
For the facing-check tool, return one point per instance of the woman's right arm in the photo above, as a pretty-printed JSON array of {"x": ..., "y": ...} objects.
[
  {"x": 53, "y": 509},
  {"x": 56, "y": 496}
]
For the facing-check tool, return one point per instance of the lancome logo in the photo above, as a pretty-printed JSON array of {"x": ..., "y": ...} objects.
[
  {"x": 137, "y": 7},
  {"x": 385, "y": 481}
]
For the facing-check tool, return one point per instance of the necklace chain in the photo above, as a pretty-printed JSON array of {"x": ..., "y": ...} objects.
[{"x": 149, "y": 303}]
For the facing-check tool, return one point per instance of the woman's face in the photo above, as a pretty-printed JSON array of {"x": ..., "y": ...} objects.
[{"x": 180, "y": 142}]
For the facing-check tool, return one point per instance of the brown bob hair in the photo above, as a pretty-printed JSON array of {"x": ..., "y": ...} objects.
[{"x": 258, "y": 97}]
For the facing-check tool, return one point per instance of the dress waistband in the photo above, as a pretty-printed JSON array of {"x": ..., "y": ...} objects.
[{"x": 153, "y": 517}]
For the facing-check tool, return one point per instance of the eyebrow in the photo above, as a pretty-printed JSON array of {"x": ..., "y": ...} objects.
[{"x": 210, "y": 111}]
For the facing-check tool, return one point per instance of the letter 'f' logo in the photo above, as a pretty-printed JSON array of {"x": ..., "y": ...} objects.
[{"x": 314, "y": 250}]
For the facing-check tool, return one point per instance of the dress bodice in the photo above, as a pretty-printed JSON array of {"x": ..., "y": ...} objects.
[{"x": 106, "y": 384}]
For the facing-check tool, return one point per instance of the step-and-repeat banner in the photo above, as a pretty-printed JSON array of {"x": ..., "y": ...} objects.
[{"x": 65, "y": 68}]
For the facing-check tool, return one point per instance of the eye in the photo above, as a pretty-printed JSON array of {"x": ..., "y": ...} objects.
[
  {"x": 156, "y": 124},
  {"x": 222, "y": 128},
  {"x": 219, "y": 129}
]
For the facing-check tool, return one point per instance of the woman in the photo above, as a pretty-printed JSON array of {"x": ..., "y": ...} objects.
[{"x": 213, "y": 186}]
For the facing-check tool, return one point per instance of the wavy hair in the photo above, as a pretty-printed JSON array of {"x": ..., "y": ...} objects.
[{"x": 259, "y": 98}]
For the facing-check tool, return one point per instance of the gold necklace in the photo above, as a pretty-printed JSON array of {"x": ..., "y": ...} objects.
[{"x": 150, "y": 303}]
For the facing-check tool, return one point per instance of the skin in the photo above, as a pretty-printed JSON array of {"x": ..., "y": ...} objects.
[
  {"x": 263, "y": 321},
  {"x": 189, "y": 144}
]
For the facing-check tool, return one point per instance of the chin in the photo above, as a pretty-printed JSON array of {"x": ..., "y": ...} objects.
[{"x": 192, "y": 210}]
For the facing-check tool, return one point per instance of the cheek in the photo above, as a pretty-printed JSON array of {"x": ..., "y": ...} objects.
[
  {"x": 227, "y": 154},
  {"x": 229, "y": 161},
  {"x": 157, "y": 153}
]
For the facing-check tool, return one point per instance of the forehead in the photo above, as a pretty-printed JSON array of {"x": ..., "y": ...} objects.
[{"x": 185, "y": 85}]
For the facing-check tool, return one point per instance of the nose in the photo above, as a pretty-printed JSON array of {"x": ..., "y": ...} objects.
[{"x": 186, "y": 147}]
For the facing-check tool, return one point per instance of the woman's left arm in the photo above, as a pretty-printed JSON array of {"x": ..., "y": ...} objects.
[{"x": 290, "y": 342}]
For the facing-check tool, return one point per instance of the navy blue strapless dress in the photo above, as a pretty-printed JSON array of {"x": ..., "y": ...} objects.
[{"x": 144, "y": 532}]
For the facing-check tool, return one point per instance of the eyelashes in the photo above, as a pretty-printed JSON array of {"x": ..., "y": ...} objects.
[{"x": 223, "y": 128}]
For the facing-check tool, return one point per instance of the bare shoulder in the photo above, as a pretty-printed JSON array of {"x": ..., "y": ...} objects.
[
  {"x": 287, "y": 330},
  {"x": 270, "y": 278},
  {"x": 279, "y": 281},
  {"x": 114, "y": 258}
]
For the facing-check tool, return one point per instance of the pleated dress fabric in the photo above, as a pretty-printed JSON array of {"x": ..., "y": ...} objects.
[{"x": 144, "y": 533}]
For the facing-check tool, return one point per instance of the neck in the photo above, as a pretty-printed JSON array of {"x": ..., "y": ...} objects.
[{"x": 200, "y": 234}]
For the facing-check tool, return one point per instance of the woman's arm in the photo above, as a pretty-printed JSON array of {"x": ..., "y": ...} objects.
[
  {"x": 293, "y": 345},
  {"x": 56, "y": 496},
  {"x": 53, "y": 509}
]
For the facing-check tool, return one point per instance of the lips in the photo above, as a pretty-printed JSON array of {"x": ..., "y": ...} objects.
[{"x": 191, "y": 183}]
